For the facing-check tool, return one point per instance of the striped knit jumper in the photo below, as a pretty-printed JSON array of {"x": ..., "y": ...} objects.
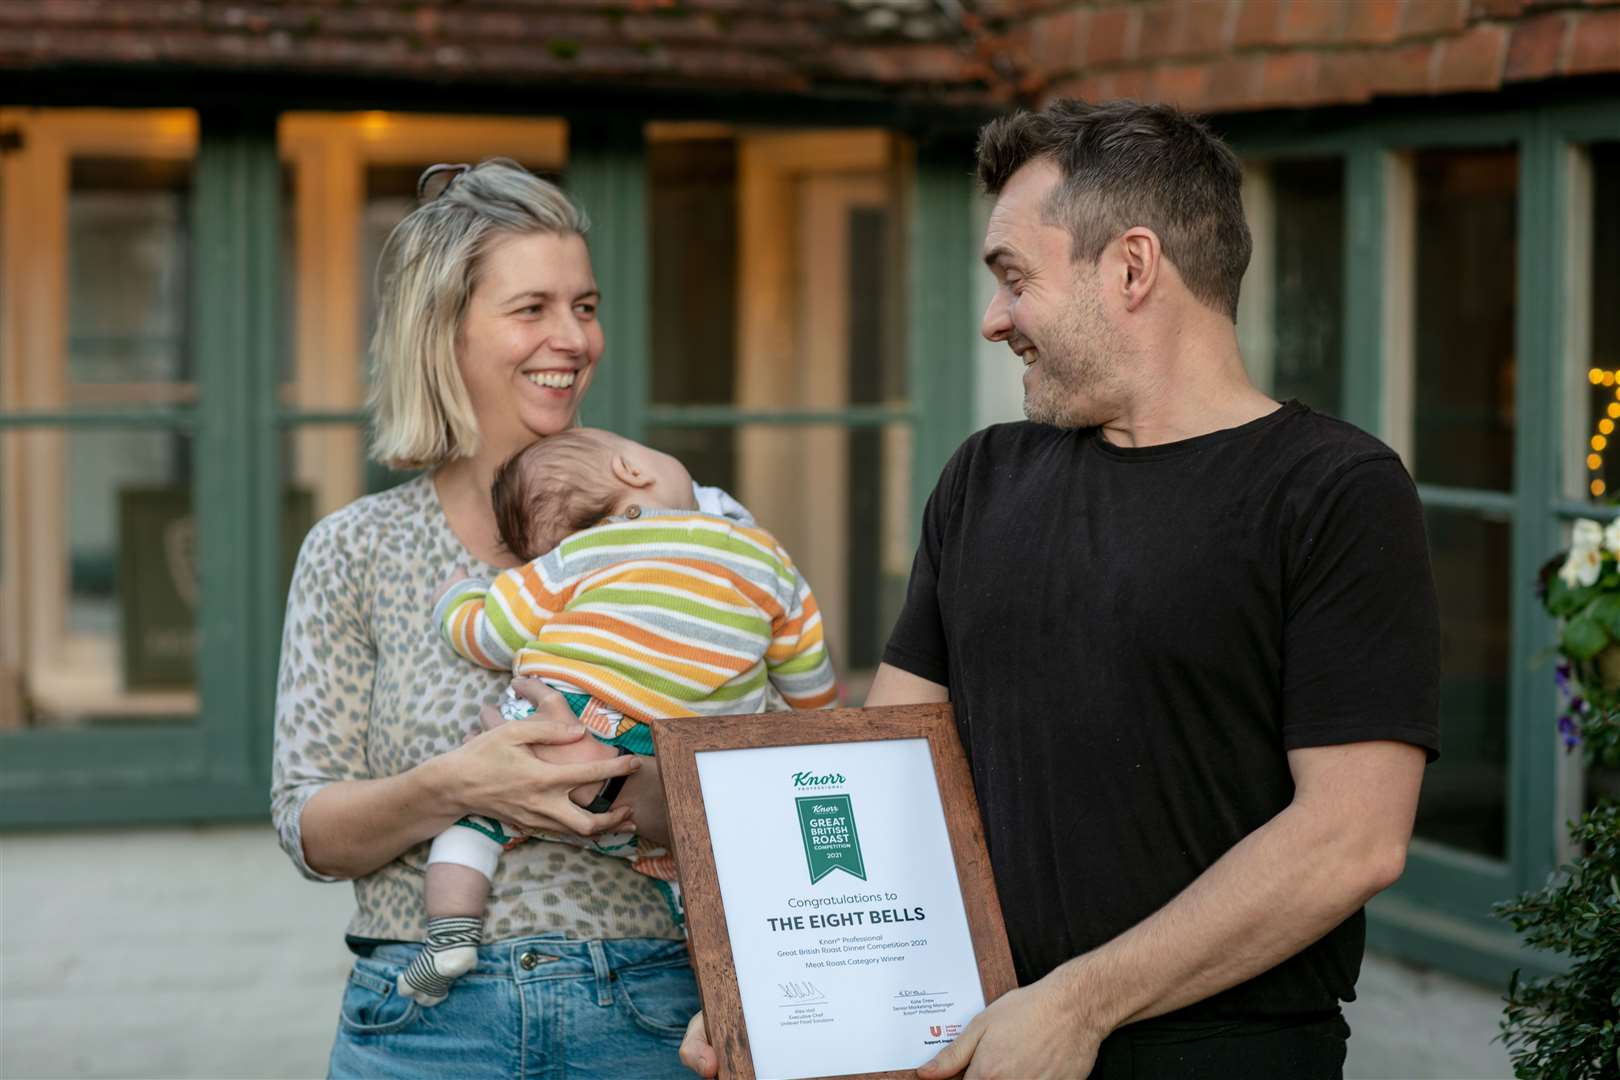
[{"x": 674, "y": 613}]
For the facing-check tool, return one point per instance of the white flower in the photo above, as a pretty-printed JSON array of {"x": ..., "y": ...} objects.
[
  {"x": 1586, "y": 534},
  {"x": 1582, "y": 567},
  {"x": 1611, "y": 537}
]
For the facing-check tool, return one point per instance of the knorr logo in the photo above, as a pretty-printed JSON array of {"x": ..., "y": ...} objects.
[
  {"x": 827, "y": 823},
  {"x": 810, "y": 779}
]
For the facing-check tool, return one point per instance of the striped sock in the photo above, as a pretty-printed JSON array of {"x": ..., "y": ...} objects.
[{"x": 450, "y": 951}]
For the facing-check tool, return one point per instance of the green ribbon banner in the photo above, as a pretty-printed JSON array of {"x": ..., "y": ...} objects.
[{"x": 830, "y": 840}]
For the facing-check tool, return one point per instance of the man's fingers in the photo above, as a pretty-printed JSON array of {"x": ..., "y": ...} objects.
[
  {"x": 696, "y": 1053},
  {"x": 952, "y": 1060}
]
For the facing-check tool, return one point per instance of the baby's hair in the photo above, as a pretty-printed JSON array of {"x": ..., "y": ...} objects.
[{"x": 554, "y": 487}]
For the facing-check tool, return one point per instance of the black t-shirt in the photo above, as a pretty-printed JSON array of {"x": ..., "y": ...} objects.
[{"x": 1134, "y": 638}]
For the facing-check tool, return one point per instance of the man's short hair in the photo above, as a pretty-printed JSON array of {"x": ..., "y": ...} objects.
[{"x": 1125, "y": 164}]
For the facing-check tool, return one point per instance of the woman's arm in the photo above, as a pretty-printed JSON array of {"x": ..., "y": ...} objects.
[
  {"x": 333, "y": 818},
  {"x": 353, "y": 827}
]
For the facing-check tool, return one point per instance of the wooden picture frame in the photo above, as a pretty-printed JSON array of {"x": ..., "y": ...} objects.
[{"x": 680, "y": 741}]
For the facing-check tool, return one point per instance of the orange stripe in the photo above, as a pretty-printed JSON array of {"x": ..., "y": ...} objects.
[
  {"x": 727, "y": 593},
  {"x": 730, "y": 667},
  {"x": 636, "y": 702},
  {"x": 661, "y": 867},
  {"x": 647, "y": 639},
  {"x": 469, "y": 640},
  {"x": 826, "y": 697},
  {"x": 767, "y": 602}
]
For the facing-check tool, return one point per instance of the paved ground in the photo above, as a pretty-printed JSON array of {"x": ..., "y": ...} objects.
[
  {"x": 1411, "y": 1024},
  {"x": 229, "y": 965}
]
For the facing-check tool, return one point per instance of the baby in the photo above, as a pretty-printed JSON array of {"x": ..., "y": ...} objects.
[{"x": 635, "y": 605}]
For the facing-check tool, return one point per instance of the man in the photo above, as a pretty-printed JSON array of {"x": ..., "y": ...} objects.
[{"x": 1190, "y": 635}]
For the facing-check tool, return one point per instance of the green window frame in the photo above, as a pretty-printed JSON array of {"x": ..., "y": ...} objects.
[
  {"x": 1439, "y": 912},
  {"x": 217, "y": 767}
]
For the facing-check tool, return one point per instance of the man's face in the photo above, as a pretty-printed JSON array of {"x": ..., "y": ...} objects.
[{"x": 1049, "y": 310}]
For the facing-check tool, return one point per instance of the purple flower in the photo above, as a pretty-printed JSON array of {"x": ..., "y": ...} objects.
[{"x": 1569, "y": 732}]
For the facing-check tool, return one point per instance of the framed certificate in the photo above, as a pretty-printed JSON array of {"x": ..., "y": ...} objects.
[{"x": 842, "y": 913}]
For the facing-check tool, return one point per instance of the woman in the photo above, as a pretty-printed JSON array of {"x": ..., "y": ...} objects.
[{"x": 487, "y": 338}]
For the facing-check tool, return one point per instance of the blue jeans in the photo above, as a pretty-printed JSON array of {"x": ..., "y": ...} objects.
[{"x": 541, "y": 1007}]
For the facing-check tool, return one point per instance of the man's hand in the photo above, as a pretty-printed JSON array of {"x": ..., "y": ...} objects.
[
  {"x": 1032, "y": 1032},
  {"x": 696, "y": 1053}
]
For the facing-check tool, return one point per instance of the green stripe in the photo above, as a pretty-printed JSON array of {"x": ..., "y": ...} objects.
[
  {"x": 629, "y": 595},
  {"x": 512, "y": 636},
  {"x": 733, "y": 691},
  {"x": 599, "y": 538},
  {"x": 800, "y": 664}
]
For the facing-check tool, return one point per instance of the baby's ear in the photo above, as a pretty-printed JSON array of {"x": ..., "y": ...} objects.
[{"x": 628, "y": 473}]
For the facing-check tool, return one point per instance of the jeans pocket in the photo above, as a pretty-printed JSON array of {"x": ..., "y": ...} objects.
[
  {"x": 370, "y": 1004},
  {"x": 661, "y": 999}
]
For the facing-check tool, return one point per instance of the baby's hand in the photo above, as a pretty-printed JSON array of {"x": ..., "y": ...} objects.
[
  {"x": 461, "y": 574},
  {"x": 586, "y": 749}
]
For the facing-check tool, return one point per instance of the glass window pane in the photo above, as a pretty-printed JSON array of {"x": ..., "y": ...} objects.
[
  {"x": 1598, "y": 473},
  {"x": 776, "y": 269},
  {"x": 838, "y": 499},
  {"x": 1309, "y": 282},
  {"x": 1463, "y": 420},
  {"x": 106, "y": 562},
  {"x": 1464, "y": 800},
  {"x": 693, "y": 204},
  {"x": 128, "y": 245}
]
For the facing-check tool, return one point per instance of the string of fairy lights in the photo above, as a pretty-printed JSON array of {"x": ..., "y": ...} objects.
[{"x": 1605, "y": 428}]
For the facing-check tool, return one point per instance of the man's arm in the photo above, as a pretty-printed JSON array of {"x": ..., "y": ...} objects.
[
  {"x": 895, "y": 686},
  {"x": 1341, "y": 840}
]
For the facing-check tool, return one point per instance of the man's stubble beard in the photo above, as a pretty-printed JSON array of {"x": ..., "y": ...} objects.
[{"x": 1078, "y": 377}]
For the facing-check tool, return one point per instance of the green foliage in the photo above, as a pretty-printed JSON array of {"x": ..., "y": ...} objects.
[{"x": 1567, "y": 1027}]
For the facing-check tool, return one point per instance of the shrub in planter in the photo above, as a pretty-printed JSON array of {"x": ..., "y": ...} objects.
[{"x": 1567, "y": 1027}]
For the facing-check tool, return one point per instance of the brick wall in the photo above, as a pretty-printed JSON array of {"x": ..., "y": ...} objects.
[
  {"x": 1232, "y": 55},
  {"x": 1210, "y": 55}
]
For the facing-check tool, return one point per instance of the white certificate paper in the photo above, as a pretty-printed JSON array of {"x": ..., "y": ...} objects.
[{"x": 847, "y": 929}]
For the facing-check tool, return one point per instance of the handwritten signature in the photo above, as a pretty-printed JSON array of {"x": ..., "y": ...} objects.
[{"x": 801, "y": 991}]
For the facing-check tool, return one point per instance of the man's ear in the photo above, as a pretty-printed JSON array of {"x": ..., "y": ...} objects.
[
  {"x": 630, "y": 474},
  {"x": 1142, "y": 254}
]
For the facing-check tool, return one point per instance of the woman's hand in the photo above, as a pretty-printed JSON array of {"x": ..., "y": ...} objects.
[{"x": 495, "y": 774}]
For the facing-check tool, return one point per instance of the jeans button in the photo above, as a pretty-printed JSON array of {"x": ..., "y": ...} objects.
[{"x": 529, "y": 961}]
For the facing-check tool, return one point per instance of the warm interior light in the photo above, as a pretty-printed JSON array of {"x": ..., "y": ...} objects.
[{"x": 375, "y": 123}]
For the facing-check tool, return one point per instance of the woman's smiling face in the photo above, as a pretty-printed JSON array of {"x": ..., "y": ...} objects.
[{"x": 530, "y": 339}]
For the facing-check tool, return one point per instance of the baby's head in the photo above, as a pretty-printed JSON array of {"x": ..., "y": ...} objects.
[{"x": 573, "y": 479}]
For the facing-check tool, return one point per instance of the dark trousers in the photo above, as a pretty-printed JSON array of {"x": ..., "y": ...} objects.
[{"x": 1310, "y": 1050}]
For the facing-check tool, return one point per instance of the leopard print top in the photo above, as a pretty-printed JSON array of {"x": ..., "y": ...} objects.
[{"x": 367, "y": 689}]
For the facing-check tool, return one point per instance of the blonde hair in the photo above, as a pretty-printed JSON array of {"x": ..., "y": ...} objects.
[
  {"x": 421, "y": 414},
  {"x": 553, "y": 488}
]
